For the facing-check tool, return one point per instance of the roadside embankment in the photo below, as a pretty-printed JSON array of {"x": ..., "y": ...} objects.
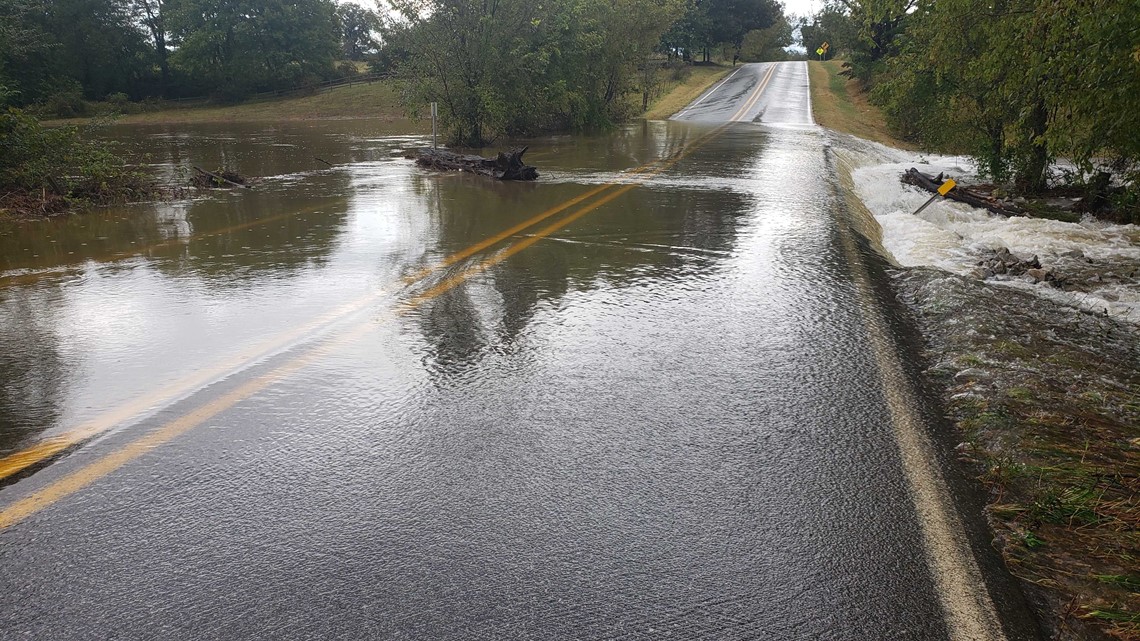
[
  {"x": 377, "y": 100},
  {"x": 839, "y": 103},
  {"x": 1031, "y": 333}
]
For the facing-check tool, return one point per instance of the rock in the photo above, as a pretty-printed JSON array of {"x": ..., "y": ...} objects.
[
  {"x": 999, "y": 268},
  {"x": 1037, "y": 274},
  {"x": 1073, "y": 253},
  {"x": 1029, "y": 279},
  {"x": 1034, "y": 262},
  {"x": 972, "y": 374}
]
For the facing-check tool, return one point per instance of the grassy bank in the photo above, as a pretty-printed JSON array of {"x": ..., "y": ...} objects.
[
  {"x": 377, "y": 100},
  {"x": 840, "y": 104},
  {"x": 676, "y": 94},
  {"x": 380, "y": 100},
  {"x": 1046, "y": 401}
]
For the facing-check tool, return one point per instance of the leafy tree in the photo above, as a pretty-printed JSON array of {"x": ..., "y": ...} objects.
[
  {"x": 357, "y": 25},
  {"x": 833, "y": 25},
  {"x": 709, "y": 23},
  {"x": 767, "y": 44},
  {"x": 240, "y": 46},
  {"x": 507, "y": 67},
  {"x": 151, "y": 15}
]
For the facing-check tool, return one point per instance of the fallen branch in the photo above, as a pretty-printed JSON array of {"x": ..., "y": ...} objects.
[
  {"x": 505, "y": 166},
  {"x": 219, "y": 179},
  {"x": 930, "y": 183}
]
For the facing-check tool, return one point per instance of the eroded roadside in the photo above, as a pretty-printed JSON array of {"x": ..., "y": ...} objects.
[
  {"x": 1046, "y": 403},
  {"x": 1042, "y": 393}
]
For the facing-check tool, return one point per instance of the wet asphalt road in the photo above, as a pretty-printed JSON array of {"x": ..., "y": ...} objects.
[{"x": 660, "y": 419}]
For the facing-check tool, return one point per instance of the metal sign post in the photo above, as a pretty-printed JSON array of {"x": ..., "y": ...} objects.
[
  {"x": 434, "y": 114},
  {"x": 942, "y": 191}
]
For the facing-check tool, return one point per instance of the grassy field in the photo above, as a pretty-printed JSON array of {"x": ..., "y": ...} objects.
[
  {"x": 838, "y": 103},
  {"x": 378, "y": 100},
  {"x": 676, "y": 94}
]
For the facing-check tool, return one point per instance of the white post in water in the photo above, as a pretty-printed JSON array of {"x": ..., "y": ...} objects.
[{"x": 434, "y": 113}]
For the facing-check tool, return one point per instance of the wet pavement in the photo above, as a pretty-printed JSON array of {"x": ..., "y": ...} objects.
[{"x": 309, "y": 410}]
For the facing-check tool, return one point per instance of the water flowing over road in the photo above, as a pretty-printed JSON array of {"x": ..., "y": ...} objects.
[{"x": 654, "y": 395}]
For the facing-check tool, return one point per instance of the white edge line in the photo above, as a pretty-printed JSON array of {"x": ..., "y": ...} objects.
[
  {"x": 705, "y": 96},
  {"x": 807, "y": 76}
]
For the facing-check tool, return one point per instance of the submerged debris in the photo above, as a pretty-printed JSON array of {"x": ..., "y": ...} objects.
[
  {"x": 504, "y": 166},
  {"x": 222, "y": 179}
]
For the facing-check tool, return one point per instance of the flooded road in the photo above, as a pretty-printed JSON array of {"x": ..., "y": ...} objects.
[{"x": 640, "y": 398}]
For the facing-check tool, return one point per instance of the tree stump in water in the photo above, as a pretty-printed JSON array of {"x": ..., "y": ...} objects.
[{"x": 505, "y": 166}]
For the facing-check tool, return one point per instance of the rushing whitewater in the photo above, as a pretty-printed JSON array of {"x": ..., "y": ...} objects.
[{"x": 1098, "y": 262}]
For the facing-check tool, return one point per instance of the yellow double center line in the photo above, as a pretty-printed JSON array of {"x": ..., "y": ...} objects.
[{"x": 16, "y": 462}]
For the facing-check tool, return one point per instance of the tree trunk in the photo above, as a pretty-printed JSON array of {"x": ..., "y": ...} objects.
[
  {"x": 915, "y": 177},
  {"x": 1031, "y": 175}
]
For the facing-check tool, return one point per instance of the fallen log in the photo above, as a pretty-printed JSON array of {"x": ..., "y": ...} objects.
[
  {"x": 210, "y": 179},
  {"x": 504, "y": 166},
  {"x": 930, "y": 183}
]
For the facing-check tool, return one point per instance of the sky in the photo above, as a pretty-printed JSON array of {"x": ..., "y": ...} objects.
[{"x": 801, "y": 7}]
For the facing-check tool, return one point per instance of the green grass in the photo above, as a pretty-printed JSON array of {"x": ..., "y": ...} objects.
[
  {"x": 840, "y": 104},
  {"x": 377, "y": 100}
]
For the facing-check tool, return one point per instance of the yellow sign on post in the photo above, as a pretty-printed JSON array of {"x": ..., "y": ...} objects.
[
  {"x": 819, "y": 51},
  {"x": 946, "y": 187}
]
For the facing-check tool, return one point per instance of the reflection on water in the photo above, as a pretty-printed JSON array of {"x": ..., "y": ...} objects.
[
  {"x": 32, "y": 368},
  {"x": 104, "y": 308},
  {"x": 674, "y": 226}
]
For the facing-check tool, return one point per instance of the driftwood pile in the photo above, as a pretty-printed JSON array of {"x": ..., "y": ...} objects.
[
  {"x": 505, "y": 166},
  {"x": 930, "y": 183}
]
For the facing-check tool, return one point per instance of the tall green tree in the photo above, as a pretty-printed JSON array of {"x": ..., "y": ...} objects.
[
  {"x": 707, "y": 24},
  {"x": 357, "y": 26},
  {"x": 239, "y": 46},
  {"x": 508, "y": 67},
  {"x": 151, "y": 14}
]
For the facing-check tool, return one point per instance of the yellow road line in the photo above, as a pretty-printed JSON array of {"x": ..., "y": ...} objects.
[
  {"x": 499, "y": 257},
  {"x": 507, "y": 233},
  {"x": 104, "y": 465},
  {"x": 755, "y": 94},
  {"x": 49, "y": 447},
  {"x": 84, "y": 476}
]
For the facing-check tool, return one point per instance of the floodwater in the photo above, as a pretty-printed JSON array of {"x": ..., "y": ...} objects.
[
  {"x": 653, "y": 413},
  {"x": 1099, "y": 262}
]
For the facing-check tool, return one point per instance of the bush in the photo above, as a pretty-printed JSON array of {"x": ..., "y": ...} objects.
[
  {"x": 67, "y": 103},
  {"x": 59, "y": 162},
  {"x": 679, "y": 71},
  {"x": 346, "y": 69}
]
